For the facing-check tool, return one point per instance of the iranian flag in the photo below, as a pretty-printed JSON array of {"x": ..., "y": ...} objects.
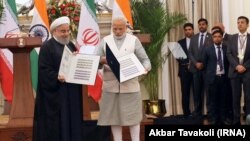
[
  {"x": 39, "y": 27},
  {"x": 8, "y": 28},
  {"x": 89, "y": 35}
]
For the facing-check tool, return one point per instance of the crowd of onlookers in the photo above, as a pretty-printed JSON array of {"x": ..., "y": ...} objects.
[{"x": 216, "y": 70}]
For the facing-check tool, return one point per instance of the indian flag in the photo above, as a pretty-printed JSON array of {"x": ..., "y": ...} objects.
[
  {"x": 39, "y": 27},
  {"x": 121, "y": 8},
  {"x": 89, "y": 36},
  {"x": 8, "y": 28}
]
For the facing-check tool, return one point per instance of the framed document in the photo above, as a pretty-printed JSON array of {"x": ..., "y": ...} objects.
[
  {"x": 79, "y": 68},
  {"x": 125, "y": 67}
]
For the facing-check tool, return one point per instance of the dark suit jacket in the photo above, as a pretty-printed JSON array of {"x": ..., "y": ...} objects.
[
  {"x": 211, "y": 63},
  {"x": 183, "y": 62},
  {"x": 226, "y": 39},
  {"x": 232, "y": 53},
  {"x": 197, "y": 54}
]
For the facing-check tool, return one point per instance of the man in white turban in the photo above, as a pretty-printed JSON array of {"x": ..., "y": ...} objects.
[
  {"x": 58, "y": 109},
  {"x": 59, "y": 21},
  {"x": 62, "y": 36}
]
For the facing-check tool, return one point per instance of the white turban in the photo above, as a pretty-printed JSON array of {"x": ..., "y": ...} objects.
[{"x": 59, "y": 21}]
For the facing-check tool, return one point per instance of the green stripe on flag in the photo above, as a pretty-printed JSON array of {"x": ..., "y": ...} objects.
[
  {"x": 12, "y": 4},
  {"x": 34, "y": 68},
  {"x": 91, "y": 5}
]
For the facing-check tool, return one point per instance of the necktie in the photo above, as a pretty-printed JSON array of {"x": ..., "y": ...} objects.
[
  {"x": 242, "y": 41},
  {"x": 201, "y": 41},
  {"x": 241, "y": 51},
  {"x": 219, "y": 59}
]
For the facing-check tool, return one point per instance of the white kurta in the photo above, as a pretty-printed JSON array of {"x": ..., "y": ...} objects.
[{"x": 122, "y": 107}]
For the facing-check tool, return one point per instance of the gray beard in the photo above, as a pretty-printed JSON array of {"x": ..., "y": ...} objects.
[
  {"x": 63, "y": 41},
  {"x": 120, "y": 37}
]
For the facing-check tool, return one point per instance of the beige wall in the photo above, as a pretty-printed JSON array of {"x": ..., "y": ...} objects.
[{"x": 231, "y": 10}]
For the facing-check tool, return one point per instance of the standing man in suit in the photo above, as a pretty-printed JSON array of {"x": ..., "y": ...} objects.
[
  {"x": 238, "y": 54},
  {"x": 228, "y": 97},
  {"x": 198, "y": 43},
  {"x": 185, "y": 75},
  {"x": 216, "y": 66},
  {"x": 226, "y": 36}
]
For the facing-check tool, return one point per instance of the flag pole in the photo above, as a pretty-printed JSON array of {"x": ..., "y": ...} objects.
[{"x": 193, "y": 11}]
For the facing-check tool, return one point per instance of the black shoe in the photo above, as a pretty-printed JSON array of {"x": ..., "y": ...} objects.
[
  {"x": 187, "y": 116},
  {"x": 212, "y": 122},
  {"x": 197, "y": 115},
  {"x": 244, "y": 116},
  {"x": 228, "y": 121},
  {"x": 237, "y": 123}
]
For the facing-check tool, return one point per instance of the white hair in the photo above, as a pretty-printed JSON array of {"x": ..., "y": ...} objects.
[{"x": 119, "y": 19}]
